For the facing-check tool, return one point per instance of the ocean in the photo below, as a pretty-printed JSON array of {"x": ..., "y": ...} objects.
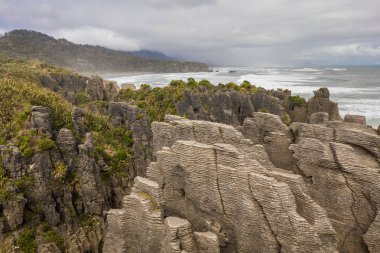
[{"x": 355, "y": 89}]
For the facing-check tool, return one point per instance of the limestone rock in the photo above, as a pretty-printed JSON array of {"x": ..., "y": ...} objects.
[
  {"x": 321, "y": 103},
  {"x": 78, "y": 120},
  {"x": 42, "y": 169},
  {"x": 41, "y": 120},
  {"x": 111, "y": 90},
  {"x": 372, "y": 236},
  {"x": 81, "y": 241},
  {"x": 95, "y": 89},
  {"x": 268, "y": 130},
  {"x": 13, "y": 212},
  {"x": 92, "y": 192},
  {"x": 67, "y": 145},
  {"x": 137, "y": 121},
  {"x": 319, "y": 118},
  {"x": 48, "y": 248},
  {"x": 322, "y": 93},
  {"x": 12, "y": 161},
  {"x": 358, "y": 119},
  {"x": 343, "y": 158},
  {"x": 208, "y": 174}
]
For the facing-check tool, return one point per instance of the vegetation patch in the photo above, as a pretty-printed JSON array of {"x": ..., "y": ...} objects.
[
  {"x": 297, "y": 100},
  {"x": 52, "y": 236},
  {"x": 30, "y": 143},
  {"x": 89, "y": 222},
  {"x": 27, "y": 241}
]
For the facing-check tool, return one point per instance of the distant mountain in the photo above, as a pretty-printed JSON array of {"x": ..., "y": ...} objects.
[
  {"x": 89, "y": 59},
  {"x": 152, "y": 54}
]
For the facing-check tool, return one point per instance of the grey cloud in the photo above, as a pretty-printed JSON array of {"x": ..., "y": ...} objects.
[
  {"x": 179, "y": 3},
  {"x": 222, "y": 32}
]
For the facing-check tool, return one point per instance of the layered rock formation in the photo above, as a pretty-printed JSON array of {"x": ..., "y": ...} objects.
[
  {"x": 263, "y": 187},
  {"x": 233, "y": 107}
]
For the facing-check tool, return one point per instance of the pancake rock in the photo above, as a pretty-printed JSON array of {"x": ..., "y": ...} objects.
[
  {"x": 208, "y": 177},
  {"x": 340, "y": 164}
]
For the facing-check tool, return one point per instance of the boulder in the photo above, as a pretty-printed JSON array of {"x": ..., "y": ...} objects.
[{"x": 357, "y": 119}]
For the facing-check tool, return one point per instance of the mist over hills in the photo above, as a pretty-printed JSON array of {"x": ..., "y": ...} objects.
[{"x": 88, "y": 58}]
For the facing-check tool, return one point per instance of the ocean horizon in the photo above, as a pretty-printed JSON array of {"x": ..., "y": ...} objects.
[{"x": 356, "y": 89}]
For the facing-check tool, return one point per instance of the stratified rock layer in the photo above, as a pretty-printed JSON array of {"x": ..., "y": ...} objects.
[
  {"x": 340, "y": 164},
  {"x": 213, "y": 178}
]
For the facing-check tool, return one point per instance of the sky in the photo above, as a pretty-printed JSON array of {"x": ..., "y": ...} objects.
[{"x": 218, "y": 32}]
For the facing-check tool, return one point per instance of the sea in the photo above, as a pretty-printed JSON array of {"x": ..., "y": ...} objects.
[{"x": 356, "y": 89}]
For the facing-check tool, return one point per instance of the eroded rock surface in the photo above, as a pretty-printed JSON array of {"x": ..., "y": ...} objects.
[
  {"x": 208, "y": 175},
  {"x": 340, "y": 165}
]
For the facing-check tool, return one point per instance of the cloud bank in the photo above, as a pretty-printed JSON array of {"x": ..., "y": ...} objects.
[{"x": 221, "y": 32}]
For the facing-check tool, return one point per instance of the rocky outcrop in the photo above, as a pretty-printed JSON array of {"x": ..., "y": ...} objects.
[
  {"x": 41, "y": 120},
  {"x": 234, "y": 184},
  {"x": 268, "y": 130},
  {"x": 223, "y": 185},
  {"x": 321, "y": 103},
  {"x": 358, "y": 119},
  {"x": 343, "y": 159},
  {"x": 233, "y": 107},
  {"x": 137, "y": 121},
  {"x": 60, "y": 184}
]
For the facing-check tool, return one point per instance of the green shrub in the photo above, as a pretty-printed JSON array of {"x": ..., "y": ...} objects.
[
  {"x": 5, "y": 195},
  {"x": 264, "y": 110},
  {"x": 114, "y": 147},
  {"x": 45, "y": 144},
  {"x": 232, "y": 86},
  {"x": 192, "y": 83},
  {"x": 140, "y": 116},
  {"x": 82, "y": 98},
  {"x": 88, "y": 222},
  {"x": 246, "y": 85},
  {"x": 297, "y": 100},
  {"x": 206, "y": 83},
  {"x": 51, "y": 236},
  {"x": 27, "y": 241}
]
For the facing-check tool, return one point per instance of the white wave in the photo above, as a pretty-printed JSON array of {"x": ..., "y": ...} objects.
[
  {"x": 307, "y": 70},
  {"x": 336, "y": 69}
]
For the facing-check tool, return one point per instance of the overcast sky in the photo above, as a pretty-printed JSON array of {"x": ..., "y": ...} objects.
[{"x": 220, "y": 32}]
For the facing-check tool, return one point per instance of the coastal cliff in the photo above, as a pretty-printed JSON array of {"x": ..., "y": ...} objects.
[
  {"x": 223, "y": 184},
  {"x": 88, "y": 167}
]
